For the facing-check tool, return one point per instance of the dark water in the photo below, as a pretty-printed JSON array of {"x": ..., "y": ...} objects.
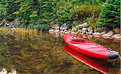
[{"x": 45, "y": 54}]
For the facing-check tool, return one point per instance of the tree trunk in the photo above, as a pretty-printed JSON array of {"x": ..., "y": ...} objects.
[{"x": 92, "y": 2}]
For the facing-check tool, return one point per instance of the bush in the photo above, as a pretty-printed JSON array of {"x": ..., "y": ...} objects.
[
  {"x": 110, "y": 15},
  {"x": 84, "y": 11},
  {"x": 38, "y": 25},
  {"x": 92, "y": 21}
]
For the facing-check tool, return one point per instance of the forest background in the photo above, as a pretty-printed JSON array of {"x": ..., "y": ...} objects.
[{"x": 41, "y": 14}]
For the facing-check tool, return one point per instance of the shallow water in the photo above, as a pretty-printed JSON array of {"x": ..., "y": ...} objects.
[{"x": 45, "y": 54}]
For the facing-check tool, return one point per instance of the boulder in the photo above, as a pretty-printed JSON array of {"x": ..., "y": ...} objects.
[
  {"x": 51, "y": 31},
  {"x": 89, "y": 29},
  {"x": 74, "y": 29},
  {"x": 67, "y": 32},
  {"x": 106, "y": 36},
  {"x": 116, "y": 36},
  {"x": 84, "y": 29},
  {"x": 102, "y": 33},
  {"x": 110, "y": 33},
  {"x": 96, "y": 34},
  {"x": 98, "y": 29},
  {"x": 89, "y": 33},
  {"x": 56, "y": 31},
  {"x": 117, "y": 30},
  {"x": 82, "y": 25},
  {"x": 55, "y": 27},
  {"x": 56, "y": 35},
  {"x": 73, "y": 33},
  {"x": 61, "y": 32},
  {"x": 63, "y": 27}
]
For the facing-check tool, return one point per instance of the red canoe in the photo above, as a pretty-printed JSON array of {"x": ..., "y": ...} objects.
[{"x": 89, "y": 48}]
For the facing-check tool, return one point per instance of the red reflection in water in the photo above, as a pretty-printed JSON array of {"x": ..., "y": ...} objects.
[{"x": 98, "y": 64}]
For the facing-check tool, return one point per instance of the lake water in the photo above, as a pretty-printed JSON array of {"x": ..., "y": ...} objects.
[{"x": 45, "y": 54}]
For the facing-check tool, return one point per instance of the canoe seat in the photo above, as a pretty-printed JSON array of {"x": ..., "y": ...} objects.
[{"x": 77, "y": 40}]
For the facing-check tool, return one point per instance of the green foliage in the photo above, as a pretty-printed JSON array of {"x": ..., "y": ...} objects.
[
  {"x": 63, "y": 13},
  {"x": 38, "y": 24},
  {"x": 2, "y": 11},
  {"x": 92, "y": 21},
  {"x": 110, "y": 15},
  {"x": 84, "y": 11},
  {"x": 39, "y": 14},
  {"x": 10, "y": 7}
]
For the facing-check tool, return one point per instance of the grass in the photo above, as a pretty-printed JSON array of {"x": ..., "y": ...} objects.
[{"x": 20, "y": 31}]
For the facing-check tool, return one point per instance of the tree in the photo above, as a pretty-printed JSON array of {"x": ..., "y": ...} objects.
[
  {"x": 10, "y": 7},
  {"x": 110, "y": 15}
]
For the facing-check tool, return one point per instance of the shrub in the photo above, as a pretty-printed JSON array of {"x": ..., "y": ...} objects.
[
  {"x": 92, "y": 21},
  {"x": 84, "y": 11},
  {"x": 110, "y": 15}
]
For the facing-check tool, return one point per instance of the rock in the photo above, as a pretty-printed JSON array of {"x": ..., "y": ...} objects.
[
  {"x": 110, "y": 33},
  {"x": 55, "y": 27},
  {"x": 89, "y": 29},
  {"x": 106, "y": 36},
  {"x": 82, "y": 25},
  {"x": 116, "y": 36},
  {"x": 73, "y": 33},
  {"x": 51, "y": 31},
  {"x": 84, "y": 36},
  {"x": 98, "y": 29},
  {"x": 56, "y": 35},
  {"x": 117, "y": 30},
  {"x": 84, "y": 29},
  {"x": 56, "y": 31},
  {"x": 90, "y": 36},
  {"x": 74, "y": 29},
  {"x": 102, "y": 33},
  {"x": 96, "y": 34},
  {"x": 67, "y": 32},
  {"x": 89, "y": 33},
  {"x": 78, "y": 26},
  {"x": 63, "y": 27},
  {"x": 61, "y": 32}
]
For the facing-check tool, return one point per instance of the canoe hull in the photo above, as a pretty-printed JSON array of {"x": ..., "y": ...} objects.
[{"x": 88, "y": 48}]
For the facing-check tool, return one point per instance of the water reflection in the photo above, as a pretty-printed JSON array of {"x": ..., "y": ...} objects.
[
  {"x": 42, "y": 54},
  {"x": 99, "y": 64}
]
